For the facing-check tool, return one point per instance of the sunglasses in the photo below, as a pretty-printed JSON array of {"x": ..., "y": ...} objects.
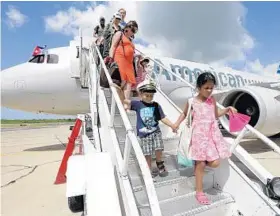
[{"x": 134, "y": 30}]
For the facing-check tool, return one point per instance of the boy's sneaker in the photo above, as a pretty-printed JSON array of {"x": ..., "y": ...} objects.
[
  {"x": 154, "y": 173},
  {"x": 162, "y": 170}
]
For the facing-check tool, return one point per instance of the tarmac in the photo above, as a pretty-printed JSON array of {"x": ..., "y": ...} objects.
[{"x": 30, "y": 160}]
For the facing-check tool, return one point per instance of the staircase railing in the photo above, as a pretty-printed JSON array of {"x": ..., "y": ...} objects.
[
  {"x": 248, "y": 160},
  {"x": 93, "y": 103},
  {"x": 130, "y": 141}
]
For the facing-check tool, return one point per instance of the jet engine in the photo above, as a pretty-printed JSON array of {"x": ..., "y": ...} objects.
[{"x": 257, "y": 102}]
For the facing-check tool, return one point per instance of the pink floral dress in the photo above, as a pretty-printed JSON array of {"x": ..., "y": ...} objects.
[{"x": 207, "y": 143}]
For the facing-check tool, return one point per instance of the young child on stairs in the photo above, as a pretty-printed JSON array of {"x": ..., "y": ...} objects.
[
  {"x": 149, "y": 113},
  {"x": 207, "y": 145}
]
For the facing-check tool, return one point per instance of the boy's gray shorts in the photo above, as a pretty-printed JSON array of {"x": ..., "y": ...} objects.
[{"x": 151, "y": 143}]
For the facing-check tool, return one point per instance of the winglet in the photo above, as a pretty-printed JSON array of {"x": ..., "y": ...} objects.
[{"x": 278, "y": 70}]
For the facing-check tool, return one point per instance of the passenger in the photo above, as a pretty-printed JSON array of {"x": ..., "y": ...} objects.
[
  {"x": 141, "y": 69},
  {"x": 98, "y": 32},
  {"x": 207, "y": 145},
  {"x": 110, "y": 29},
  {"x": 122, "y": 52},
  {"x": 149, "y": 113},
  {"x": 122, "y": 11},
  {"x": 99, "y": 29}
]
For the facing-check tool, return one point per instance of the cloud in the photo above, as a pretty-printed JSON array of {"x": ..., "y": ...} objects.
[
  {"x": 150, "y": 50},
  {"x": 68, "y": 22},
  {"x": 208, "y": 32},
  {"x": 257, "y": 67},
  {"x": 198, "y": 31},
  {"x": 15, "y": 18}
]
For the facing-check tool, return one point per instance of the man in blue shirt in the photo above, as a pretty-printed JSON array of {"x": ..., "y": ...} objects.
[
  {"x": 122, "y": 11},
  {"x": 149, "y": 113}
]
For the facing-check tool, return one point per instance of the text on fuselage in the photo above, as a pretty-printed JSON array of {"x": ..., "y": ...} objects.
[{"x": 224, "y": 80}]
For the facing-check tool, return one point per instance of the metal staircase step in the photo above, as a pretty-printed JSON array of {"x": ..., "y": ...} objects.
[
  {"x": 121, "y": 132},
  {"x": 108, "y": 94},
  {"x": 187, "y": 205},
  {"x": 177, "y": 183},
  {"x": 131, "y": 115}
]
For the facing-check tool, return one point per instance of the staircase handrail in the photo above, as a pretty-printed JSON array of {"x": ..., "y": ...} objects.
[{"x": 148, "y": 181}]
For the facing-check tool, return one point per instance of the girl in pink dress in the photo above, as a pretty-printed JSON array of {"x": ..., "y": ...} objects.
[{"x": 207, "y": 145}]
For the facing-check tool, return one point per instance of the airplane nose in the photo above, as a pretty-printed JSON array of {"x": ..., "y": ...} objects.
[{"x": 12, "y": 84}]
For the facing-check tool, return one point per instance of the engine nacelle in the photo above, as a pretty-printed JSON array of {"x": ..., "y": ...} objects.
[{"x": 257, "y": 102}]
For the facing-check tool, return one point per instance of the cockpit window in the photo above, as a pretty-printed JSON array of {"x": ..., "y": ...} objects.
[
  {"x": 37, "y": 59},
  {"x": 51, "y": 59}
]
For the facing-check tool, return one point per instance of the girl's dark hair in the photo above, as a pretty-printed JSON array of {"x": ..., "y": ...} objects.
[
  {"x": 204, "y": 78},
  {"x": 131, "y": 24}
]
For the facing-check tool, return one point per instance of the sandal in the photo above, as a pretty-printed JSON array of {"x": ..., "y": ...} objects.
[
  {"x": 154, "y": 173},
  {"x": 162, "y": 171},
  {"x": 202, "y": 198}
]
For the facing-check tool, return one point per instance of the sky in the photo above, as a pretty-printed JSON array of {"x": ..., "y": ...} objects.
[{"x": 240, "y": 35}]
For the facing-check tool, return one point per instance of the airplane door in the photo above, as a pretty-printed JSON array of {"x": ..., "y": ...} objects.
[{"x": 75, "y": 59}]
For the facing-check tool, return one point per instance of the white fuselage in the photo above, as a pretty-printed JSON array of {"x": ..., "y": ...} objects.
[{"x": 53, "y": 88}]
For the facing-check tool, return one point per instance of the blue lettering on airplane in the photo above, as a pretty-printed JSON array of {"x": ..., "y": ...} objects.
[{"x": 224, "y": 80}]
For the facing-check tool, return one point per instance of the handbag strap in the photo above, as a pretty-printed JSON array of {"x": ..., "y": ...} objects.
[
  {"x": 117, "y": 46},
  {"x": 121, "y": 40},
  {"x": 189, "y": 116}
]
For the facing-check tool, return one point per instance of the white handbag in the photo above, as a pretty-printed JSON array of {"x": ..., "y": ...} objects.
[{"x": 183, "y": 153}]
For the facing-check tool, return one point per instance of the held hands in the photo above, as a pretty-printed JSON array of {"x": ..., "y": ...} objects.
[{"x": 175, "y": 128}]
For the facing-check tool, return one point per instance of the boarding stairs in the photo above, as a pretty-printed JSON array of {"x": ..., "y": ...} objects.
[
  {"x": 175, "y": 192},
  {"x": 114, "y": 131}
]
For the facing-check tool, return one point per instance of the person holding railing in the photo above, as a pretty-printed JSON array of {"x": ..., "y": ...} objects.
[
  {"x": 109, "y": 31},
  {"x": 99, "y": 29},
  {"x": 122, "y": 52},
  {"x": 207, "y": 145},
  {"x": 97, "y": 34},
  {"x": 149, "y": 113}
]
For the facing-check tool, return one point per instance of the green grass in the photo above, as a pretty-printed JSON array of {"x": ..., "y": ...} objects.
[{"x": 35, "y": 121}]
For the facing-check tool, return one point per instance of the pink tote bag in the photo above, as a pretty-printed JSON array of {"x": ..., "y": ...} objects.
[{"x": 237, "y": 121}]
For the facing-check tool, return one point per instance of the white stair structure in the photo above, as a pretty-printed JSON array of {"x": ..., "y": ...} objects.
[{"x": 231, "y": 192}]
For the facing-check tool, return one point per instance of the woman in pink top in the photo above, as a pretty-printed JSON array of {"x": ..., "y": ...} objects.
[{"x": 207, "y": 145}]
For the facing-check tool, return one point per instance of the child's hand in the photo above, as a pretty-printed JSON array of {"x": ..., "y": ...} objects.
[
  {"x": 232, "y": 109},
  {"x": 174, "y": 128},
  {"x": 176, "y": 125}
]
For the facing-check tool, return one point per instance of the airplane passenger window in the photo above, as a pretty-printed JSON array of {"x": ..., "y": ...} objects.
[{"x": 52, "y": 59}]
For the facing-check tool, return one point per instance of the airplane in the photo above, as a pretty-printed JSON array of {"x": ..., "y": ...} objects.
[{"x": 49, "y": 82}]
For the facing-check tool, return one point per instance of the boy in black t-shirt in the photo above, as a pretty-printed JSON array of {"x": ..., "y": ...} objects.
[{"x": 149, "y": 113}]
